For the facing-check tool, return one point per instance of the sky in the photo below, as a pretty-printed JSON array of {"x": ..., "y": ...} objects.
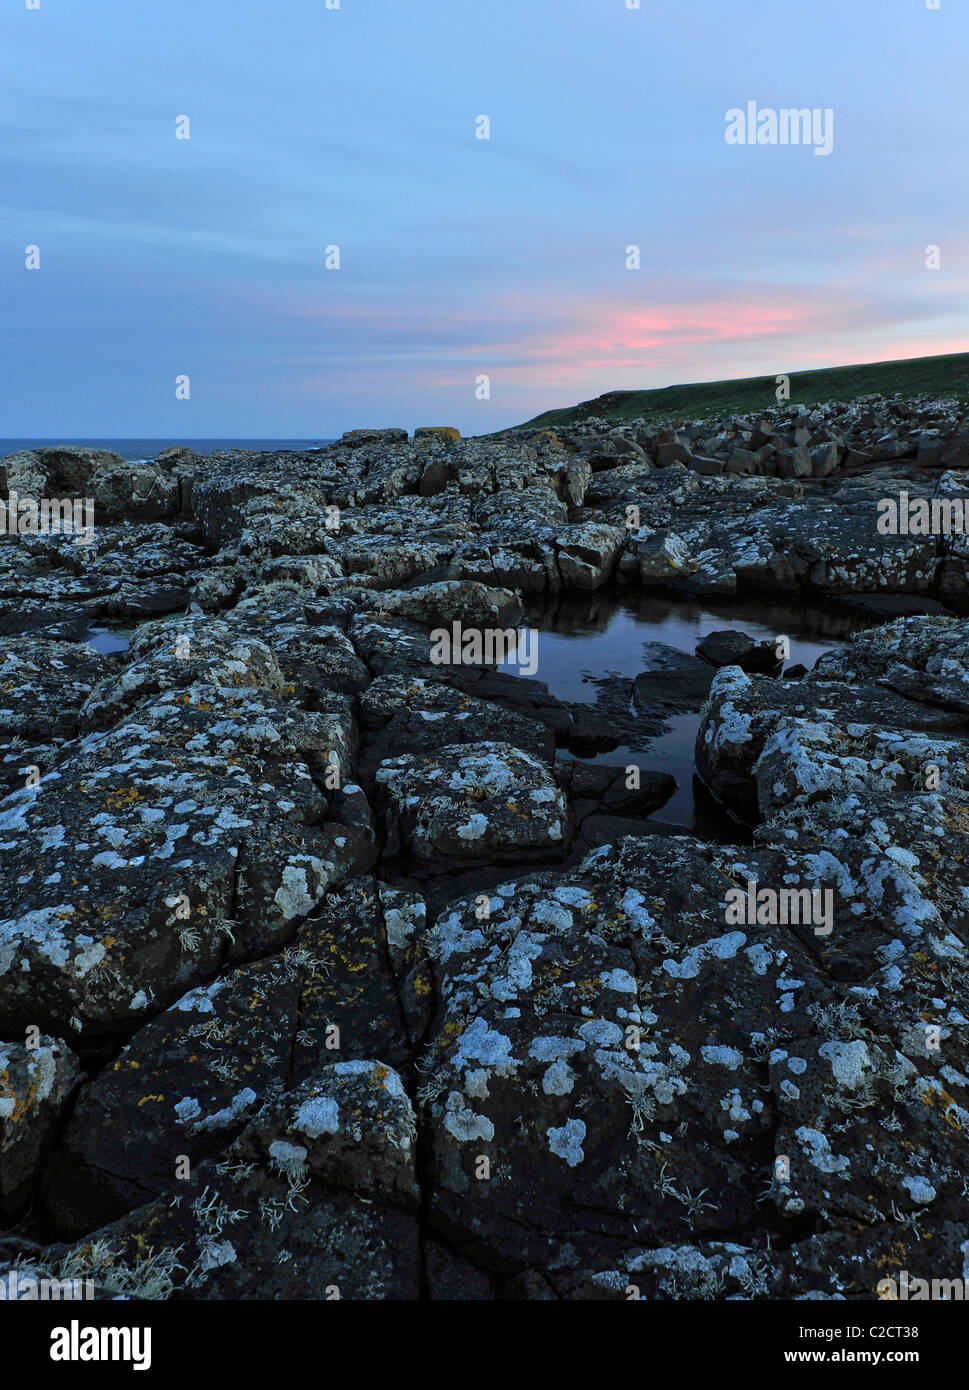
[{"x": 480, "y": 281}]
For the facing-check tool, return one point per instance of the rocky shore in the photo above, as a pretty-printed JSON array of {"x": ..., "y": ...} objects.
[{"x": 333, "y": 968}]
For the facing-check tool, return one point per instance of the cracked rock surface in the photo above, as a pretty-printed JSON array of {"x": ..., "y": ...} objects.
[{"x": 333, "y": 968}]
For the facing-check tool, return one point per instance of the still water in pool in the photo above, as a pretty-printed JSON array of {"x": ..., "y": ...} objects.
[
  {"x": 581, "y": 638},
  {"x": 603, "y": 633}
]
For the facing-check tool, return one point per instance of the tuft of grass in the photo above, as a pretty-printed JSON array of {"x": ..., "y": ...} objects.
[{"x": 151, "y": 1276}]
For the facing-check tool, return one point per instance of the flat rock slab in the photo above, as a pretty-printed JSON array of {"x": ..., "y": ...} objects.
[
  {"x": 416, "y": 716},
  {"x": 187, "y": 833},
  {"x": 894, "y": 605},
  {"x": 472, "y": 803},
  {"x": 671, "y": 679}
]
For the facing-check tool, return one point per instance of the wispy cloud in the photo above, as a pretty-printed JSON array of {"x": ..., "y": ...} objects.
[{"x": 460, "y": 257}]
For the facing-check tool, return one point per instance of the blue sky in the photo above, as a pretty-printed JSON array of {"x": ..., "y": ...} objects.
[{"x": 459, "y": 257}]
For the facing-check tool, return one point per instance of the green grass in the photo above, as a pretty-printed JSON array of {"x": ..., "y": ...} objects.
[{"x": 916, "y": 376}]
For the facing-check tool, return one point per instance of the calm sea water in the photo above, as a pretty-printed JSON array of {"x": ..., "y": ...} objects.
[{"x": 133, "y": 449}]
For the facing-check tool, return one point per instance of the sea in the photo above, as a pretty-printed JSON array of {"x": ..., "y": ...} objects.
[{"x": 135, "y": 450}]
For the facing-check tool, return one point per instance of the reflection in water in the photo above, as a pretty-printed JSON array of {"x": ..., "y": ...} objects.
[
  {"x": 584, "y": 636},
  {"x": 672, "y": 752},
  {"x": 604, "y": 632},
  {"x": 107, "y": 640}
]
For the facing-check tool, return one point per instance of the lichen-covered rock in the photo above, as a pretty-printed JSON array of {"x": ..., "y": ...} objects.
[
  {"x": 178, "y": 655},
  {"x": 350, "y": 1007},
  {"x": 180, "y": 1091},
  {"x": 729, "y": 534},
  {"x": 243, "y": 1230},
  {"x": 191, "y": 1079},
  {"x": 43, "y": 686},
  {"x": 507, "y": 1038},
  {"x": 418, "y": 716},
  {"x": 396, "y": 647},
  {"x": 405, "y": 925},
  {"x": 471, "y": 803},
  {"x": 351, "y": 1125},
  {"x": 189, "y": 833},
  {"x": 744, "y": 713},
  {"x": 58, "y": 587},
  {"x": 691, "y": 1075},
  {"x": 454, "y": 601},
  {"x": 37, "y": 1080},
  {"x": 598, "y": 1046},
  {"x": 437, "y": 432}
]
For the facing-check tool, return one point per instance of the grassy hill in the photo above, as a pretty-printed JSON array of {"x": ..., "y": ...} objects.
[{"x": 915, "y": 376}]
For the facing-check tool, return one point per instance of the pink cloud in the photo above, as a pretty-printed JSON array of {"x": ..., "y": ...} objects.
[{"x": 544, "y": 348}]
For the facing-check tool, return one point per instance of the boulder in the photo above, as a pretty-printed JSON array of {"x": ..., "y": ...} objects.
[{"x": 437, "y": 433}]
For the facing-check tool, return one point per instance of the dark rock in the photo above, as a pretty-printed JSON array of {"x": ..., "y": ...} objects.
[
  {"x": 37, "y": 1083},
  {"x": 355, "y": 438},
  {"x": 894, "y": 605},
  {"x": 670, "y": 679},
  {"x": 729, "y": 648}
]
